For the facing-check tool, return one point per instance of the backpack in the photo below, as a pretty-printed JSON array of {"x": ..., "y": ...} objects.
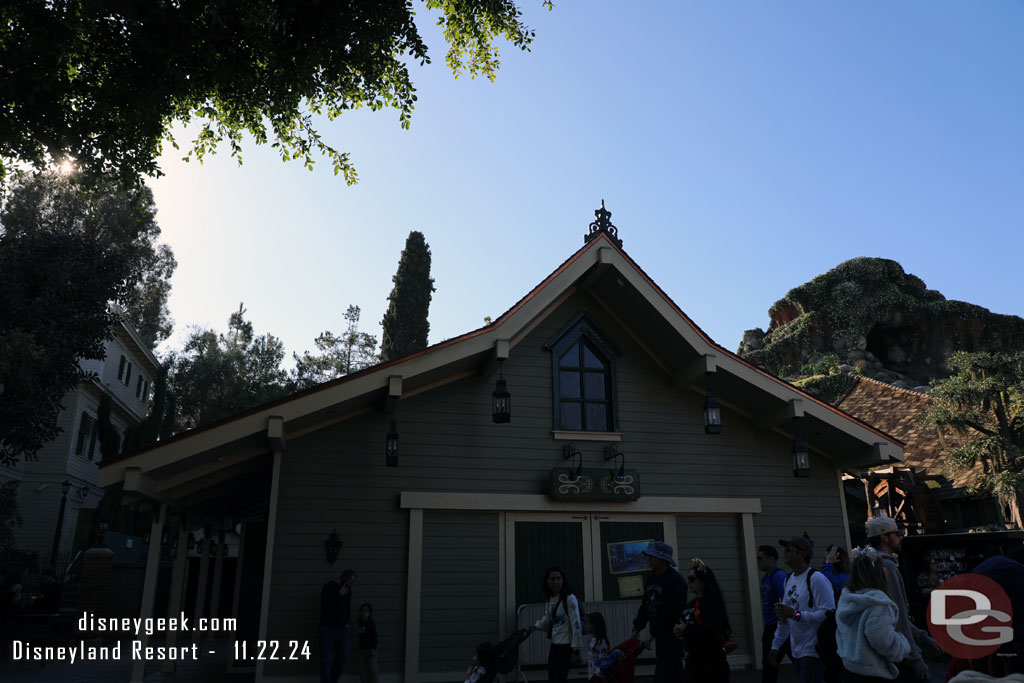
[{"x": 827, "y": 649}]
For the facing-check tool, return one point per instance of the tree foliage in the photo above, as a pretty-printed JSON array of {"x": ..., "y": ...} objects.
[
  {"x": 983, "y": 402},
  {"x": 216, "y": 375},
  {"x": 54, "y": 290},
  {"x": 159, "y": 422},
  {"x": 405, "y": 322},
  {"x": 10, "y": 515},
  {"x": 123, "y": 222},
  {"x": 339, "y": 355},
  {"x": 102, "y": 82}
]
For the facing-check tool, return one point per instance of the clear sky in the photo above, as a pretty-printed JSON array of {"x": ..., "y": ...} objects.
[{"x": 742, "y": 148}]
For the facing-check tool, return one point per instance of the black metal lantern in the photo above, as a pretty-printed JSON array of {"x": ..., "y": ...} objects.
[
  {"x": 712, "y": 415},
  {"x": 801, "y": 458},
  {"x": 501, "y": 401},
  {"x": 391, "y": 445},
  {"x": 65, "y": 487},
  {"x": 569, "y": 452},
  {"x": 610, "y": 453},
  {"x": 332, "y": 546}
]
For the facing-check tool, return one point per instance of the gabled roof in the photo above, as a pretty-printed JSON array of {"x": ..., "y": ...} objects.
[
  {"x": 626, "y": 293},
  {"x": 899, "y": 411}
]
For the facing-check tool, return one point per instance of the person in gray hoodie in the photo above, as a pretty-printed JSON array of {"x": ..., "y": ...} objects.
[
  {"x": 885, "y": 537},
  {"x": 866, "y": 617}
]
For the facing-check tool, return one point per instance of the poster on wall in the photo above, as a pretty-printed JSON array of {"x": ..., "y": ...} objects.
[{"x": 628, "y": 556}]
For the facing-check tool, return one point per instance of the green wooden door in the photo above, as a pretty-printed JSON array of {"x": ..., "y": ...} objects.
[{"x": 543, "y": 544}]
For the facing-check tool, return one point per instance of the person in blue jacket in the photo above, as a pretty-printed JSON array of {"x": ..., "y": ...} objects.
[
  {"x": 773, "y": 586},
  {"x": 836, "y": 567}
]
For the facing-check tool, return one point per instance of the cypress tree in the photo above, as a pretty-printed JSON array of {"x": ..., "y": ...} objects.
[{"x": 405, "y": 322}]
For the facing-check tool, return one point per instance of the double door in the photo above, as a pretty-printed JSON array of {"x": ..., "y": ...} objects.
[{"x": 599, "y": 553}]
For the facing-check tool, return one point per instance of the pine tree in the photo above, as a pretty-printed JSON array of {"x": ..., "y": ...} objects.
[
  {"x": 339, "y": 355},
  {"x": 405, "y": 322}
]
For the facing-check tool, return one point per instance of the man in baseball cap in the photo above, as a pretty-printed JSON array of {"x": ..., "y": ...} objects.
[
  {"x": 799, "y": 613},
  {"x": 885, "y": 536},
  {"x": 662, "y": 607}
]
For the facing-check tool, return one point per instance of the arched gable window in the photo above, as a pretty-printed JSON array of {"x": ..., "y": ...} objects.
[{"x": 583, "y": 378}]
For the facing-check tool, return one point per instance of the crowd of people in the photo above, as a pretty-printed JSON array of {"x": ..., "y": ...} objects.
[
  {"x": 845, "y": 622},
  {"x": 849, "y": 622}
]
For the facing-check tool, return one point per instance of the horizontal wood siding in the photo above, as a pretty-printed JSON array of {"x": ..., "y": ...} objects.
[
  {"x": 336, "y": 478},
  {"x": 460, "y": 587}
]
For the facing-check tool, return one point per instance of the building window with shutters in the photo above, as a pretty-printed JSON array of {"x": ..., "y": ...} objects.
[
  {"x": 138, "y": 387},
  {"x": 128, "y": 375},
  {"x": 120, "y": 368},
  {"x": 583, "y": 378},
  {"x": 86, "y": 434}
]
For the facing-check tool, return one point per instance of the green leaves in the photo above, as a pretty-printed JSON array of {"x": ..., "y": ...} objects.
[
  {"x": 983, "y": 403},
  {"x": 216, "y": 375},
  {"x": 405, "y": 322},
  {"x": 103, "y": 82}
]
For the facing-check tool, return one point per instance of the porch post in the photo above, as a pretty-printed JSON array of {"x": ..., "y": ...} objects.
[
  {"x": 204, "y": 570},
  {"x": 268, "y": 558},
  {"x": 238, "y": 572},
  {"x": 218, "y": 571},
  {"x": 414, "y": 589},
  {"x": 842, "y": 504},
  {"x": 149, "y": 584},
  {"x": 753, "y": 588},
  {"x": 177, "y": 590}
]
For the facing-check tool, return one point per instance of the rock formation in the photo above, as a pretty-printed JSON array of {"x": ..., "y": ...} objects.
[{"x": 872, "y": 316}]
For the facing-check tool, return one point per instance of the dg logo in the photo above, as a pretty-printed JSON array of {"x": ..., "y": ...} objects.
[{"x": 969, "y": 616}]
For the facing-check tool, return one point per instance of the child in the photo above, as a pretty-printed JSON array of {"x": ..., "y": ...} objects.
[
  {"x": 482, "y": 668},
  {"x": 599, "y": 645},
  {"x": 367, "y": 645}
]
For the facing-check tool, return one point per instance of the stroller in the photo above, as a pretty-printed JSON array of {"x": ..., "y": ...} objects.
[
  {"x": 502, "y": 659},
  {"x": 620, "y": 664}
]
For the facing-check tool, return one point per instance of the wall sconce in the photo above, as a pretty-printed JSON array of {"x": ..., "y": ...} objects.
[
  {"x": 801, "y": 458},
  {"x": 568, "y": 452},
  {"x": 332, "y": 546},
  {"x": 83, "y": 492},
  {"x": 501, "y": 400},
  {"x": 610, "y": 453},
  {"x": 65, "y": 487},
  {"x": 391, "y": 445},
  {"x": 712, "y": 415}
]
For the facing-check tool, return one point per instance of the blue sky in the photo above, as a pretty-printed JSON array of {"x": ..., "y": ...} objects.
[{"x": 742, "y": 148}]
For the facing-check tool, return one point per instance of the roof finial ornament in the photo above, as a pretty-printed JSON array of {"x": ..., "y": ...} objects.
[{"x": 603, "y": 224}]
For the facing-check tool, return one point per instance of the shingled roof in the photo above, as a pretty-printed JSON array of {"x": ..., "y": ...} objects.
[{"x": 898, "y": 411}]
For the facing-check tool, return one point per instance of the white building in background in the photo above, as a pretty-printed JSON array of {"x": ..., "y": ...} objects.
[{"x": 71, "y": 460}]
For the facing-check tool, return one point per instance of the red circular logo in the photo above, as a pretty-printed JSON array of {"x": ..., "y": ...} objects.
[{"x": 969, "y": 616}]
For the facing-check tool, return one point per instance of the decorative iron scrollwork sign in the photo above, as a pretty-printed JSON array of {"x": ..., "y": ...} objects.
[
  {"x": 603, "y": 224},
  {"x": 594, "y": 484}
]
